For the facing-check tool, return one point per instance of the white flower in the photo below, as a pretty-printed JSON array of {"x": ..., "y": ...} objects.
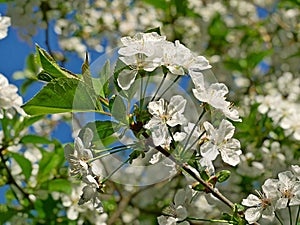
[
  {"x": 213, "y": 94},
  {"x": 208, "y": 166},
  {"x": 10, "y": 101},
  {"x": 291, "y": 124},
  {"x": 90, "y": 193},
  {"x": 136, "y": 62},
  {"x": 264, "y": 205},
  {"x": 296, "y": 171},
  {"x": 220, "y": 141},
  {"x": 141, "y": 43},
  {"x": 177, "y": 212},
  {"x": 176, "y": 57},
  {"x": 78, "y": 156},
  {"x": 289, "y": 188},
  {"x": 4, "y": 24},
  {"x": 139, "y": 53},
  {"x": 165, "y": 115}
]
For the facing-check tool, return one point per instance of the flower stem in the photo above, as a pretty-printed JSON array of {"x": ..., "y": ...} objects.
[
  {"x": 108, "y": 153},
  {"x": 297, "y": 217},
  {"x": 207, "y": 220},
  {"x": 143, "y": 92},
  {"x": 194, "y": 128},
  {"x": 114, "y": 171},
  {"x": 177, "y": 78},
  {"x": 277, "y": 217},
  {"x": 290, "y": 215},
  {"x": 160, "y": 85},
  {"x": 113, "y": 148}
]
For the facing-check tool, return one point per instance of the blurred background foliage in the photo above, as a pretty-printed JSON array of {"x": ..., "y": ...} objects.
[{"x": 254, "y": 49}]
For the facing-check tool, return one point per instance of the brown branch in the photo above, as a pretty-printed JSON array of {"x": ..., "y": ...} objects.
[{"x": 187, "y": 168}]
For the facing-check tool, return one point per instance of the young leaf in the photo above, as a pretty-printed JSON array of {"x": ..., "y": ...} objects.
[
  {"x": 50, "y": 66},
  {"x": 104, "y": 78},
  {"x": 63, "y": 95},
  {"x": 24, "y": 163},
  {"x": 50, "y": 163},
  {"x": 119, "y": 110},
  {"x": 60, "y": 185},
  {"x": 222, "y": 175},
  {"x": 34, "y": 139},
  {"x": 86, "y": 73}
]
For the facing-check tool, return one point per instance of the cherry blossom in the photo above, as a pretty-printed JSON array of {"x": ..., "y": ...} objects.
[
  {"x": 220, "y": 141},
  {"x": 164, "y": 115},
  {"x": 213, "y": 94},
  {"x": 264, "y": 205},
  {"x": 10, "y": 101},
  {"x": 78, "y": 156}
]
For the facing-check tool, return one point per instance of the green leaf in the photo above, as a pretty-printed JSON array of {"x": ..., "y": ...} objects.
[
  {"x": 104, "y": 78},
  {"x": 160, "y": 4},
  {"x": 254, "y": 58},
  {"x": 198, "y": 187},
  {"x": 103, "y": 131},
  {"x": 49, "y": 65},
  {"x": 28, "y": 121},
  {"x": 217, "y": 29},
  {"x": 31, "y": 63},
  {"x": 204, "y": 175},
  {"x": 44, "y": 76},
  {"x": 50, "y": 163},
  {"x": 222, "y": 175},
  {"x": 60, "y": 185},
  {"x": 119, "y": 111},
  {"x": 34, "y": 139},
  {"x": 86, "y": 73},
  {"x": 63, "y": 95},
  {"x": 24, "y": 163},
  {"x": 6, "y": 213}
]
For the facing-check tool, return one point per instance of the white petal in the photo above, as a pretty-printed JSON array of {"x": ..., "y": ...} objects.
[
  {"x": 179, "y": 197},
  {"x": 209, "y": 128},
  {"x": 155, "y": 158},
  {"x": 251, "y": 200},
  {"x": 181, "y": 212},
  {"x": 157, "y": 108},
  {"x": 177, "y": 104},
  {"x": 87, "y": 137},
  {"x": 126, "y": 78},
  {"x": 209, "y": 151},
  {"x": 226, "y": 129},
  {"x": 253, "y": 214}
]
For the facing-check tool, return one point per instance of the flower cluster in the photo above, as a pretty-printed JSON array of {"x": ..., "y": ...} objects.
[
  {"x": 285, "y": 115},
  {"x": 79, "y": 158},
  {"x": 10, "y": 101},
  {"x": 147, "y": 51},
  {"x": 276, "y": 194}
]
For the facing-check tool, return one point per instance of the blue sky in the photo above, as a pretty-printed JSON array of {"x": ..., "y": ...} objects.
[{"x": 13, "y": 54}]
